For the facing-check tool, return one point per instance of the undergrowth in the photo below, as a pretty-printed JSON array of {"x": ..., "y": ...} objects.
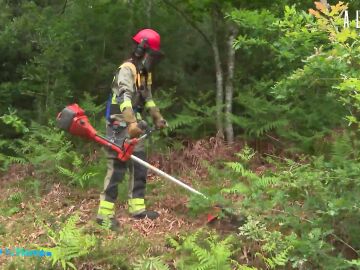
[{"x": 309, "y": 209}]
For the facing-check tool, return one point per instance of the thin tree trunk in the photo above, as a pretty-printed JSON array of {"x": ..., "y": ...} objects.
[
  {"x": 213, "y": 42},
  {"x": 219, "y": 83},
  {"x": 229, "y": 86}
]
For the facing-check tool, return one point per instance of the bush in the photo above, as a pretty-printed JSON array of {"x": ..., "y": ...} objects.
[{"x": 316, "y": 200}]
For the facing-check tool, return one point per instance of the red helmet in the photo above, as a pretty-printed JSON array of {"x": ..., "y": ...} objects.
[{"x": 153, "y": 38}]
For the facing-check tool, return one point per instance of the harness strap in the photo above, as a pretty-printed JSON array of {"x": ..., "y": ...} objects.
[{"x": 139, "y": 80}]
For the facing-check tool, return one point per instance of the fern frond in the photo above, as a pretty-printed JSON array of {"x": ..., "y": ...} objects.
[
  {"x": 12, "y": 159},
  {"x": 181, "y": 120},
  {"x": 239, "y": 188},
  {"x": 150, "y": 263},
  {"x": 70, "y": 243},
  {"x": 266, "y": 181},
  {"x": 174, "y": 243}
]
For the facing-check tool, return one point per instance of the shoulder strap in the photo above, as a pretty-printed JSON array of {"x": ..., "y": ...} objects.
[{"x": 132, "y": 67}]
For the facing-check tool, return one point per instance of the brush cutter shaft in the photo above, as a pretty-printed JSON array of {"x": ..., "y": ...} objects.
[
  {"x": 73, "y": 119},
  {"x": 115, "y": 147},
  {"x": 166, "y": 176}
]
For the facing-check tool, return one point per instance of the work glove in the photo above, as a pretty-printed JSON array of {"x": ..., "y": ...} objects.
[
  {"x": 134, "y": 129},
  {"x": 157, "y": 118}
]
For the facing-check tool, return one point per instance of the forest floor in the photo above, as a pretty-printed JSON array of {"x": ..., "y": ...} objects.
[
  {"x": 27, "y": 228},
  {"x": 25, "y": 223}
]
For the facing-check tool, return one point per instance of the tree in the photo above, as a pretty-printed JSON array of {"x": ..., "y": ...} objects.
[{"x": 212, "y": 14}]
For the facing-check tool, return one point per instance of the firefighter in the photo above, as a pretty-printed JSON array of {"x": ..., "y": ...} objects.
[{"x": 130, "y": 98}]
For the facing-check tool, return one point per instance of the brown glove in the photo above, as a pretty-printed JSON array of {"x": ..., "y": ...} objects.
[
  {"x": 158, "y": 120},
  {"x": 128, "y": 115},
  {"x": 133, "y": 129}
]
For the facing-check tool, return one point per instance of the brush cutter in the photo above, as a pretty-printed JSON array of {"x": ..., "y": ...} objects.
[{"x": 73, "y": 120}]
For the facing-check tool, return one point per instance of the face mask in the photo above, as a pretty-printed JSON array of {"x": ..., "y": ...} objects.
[{"x": 151, "y": 59}]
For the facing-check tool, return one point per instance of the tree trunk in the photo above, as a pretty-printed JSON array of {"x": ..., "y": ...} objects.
[
  {"x": 219, "y": 83},
  {"x": 216, "y": 17},
  {"x": 229, "y": 86}
]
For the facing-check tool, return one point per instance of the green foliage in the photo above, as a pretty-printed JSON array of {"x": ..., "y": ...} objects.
[
  {"x": 187, "y": 121},
  {"x": 198, "y": 204},
  {"x": 89, "y": 105},
  {"x": 296, "y": 82},
  {"x": 17, "y": 125},
  {"x": 150, "y": 263},
  {"x": 11, "y": 205},
  {"x": 70, "y": 243},
  {"x": 34, "y": 186},
  {"x": 44, "y": 147},
  {"x": 80, "y": 175},
  {"x": 315, "y": 201},
  {"x": 285, "y": 99},
  {"x": 246, "y": 154},
  {"x": 14, "y": 121},
  {"x": 255, "y": 180},
  {"x": 15, "y": 198},
  {"x": 275, "y": 247},
  {"x": 92, "y": 110},
  {"x": 202, "y": 251},
  {"x": 10, "y": 160}
]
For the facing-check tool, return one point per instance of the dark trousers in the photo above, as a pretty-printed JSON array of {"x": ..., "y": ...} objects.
[{"x": 116, "y": 170}]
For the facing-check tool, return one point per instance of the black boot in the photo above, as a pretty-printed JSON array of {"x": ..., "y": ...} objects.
[
  {"x": 113, "y": 224},
  {"x": 147, "y": 213}
]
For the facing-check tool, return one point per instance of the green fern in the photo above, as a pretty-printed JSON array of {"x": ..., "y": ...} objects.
[
  {"x": 79, "y": 178},
  {"x": 150, "y": 263},
  {"x": 181, "y": 120},
  {"x": 14, "y": 121},
  {"x": 173, "y": 243},
  {"x": 70, "y": 243},
  {"x": 6, "y": 161},
  {"x": 209, "y": 253},
  {"x": 238, "y": 188},
  {"x": 44, "y": 147},
  {"x": 343, "y": 148},
  {"x": 254, "y": 180},
  {"x": 274, "y": 248},
  {"x": 89, "y": 105},
  {"x": 279, "y": 259},
  {"x": 246, "y": 154},
  {"x": 18, "y": 160},
  {"x": 266, "y": 181}
]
